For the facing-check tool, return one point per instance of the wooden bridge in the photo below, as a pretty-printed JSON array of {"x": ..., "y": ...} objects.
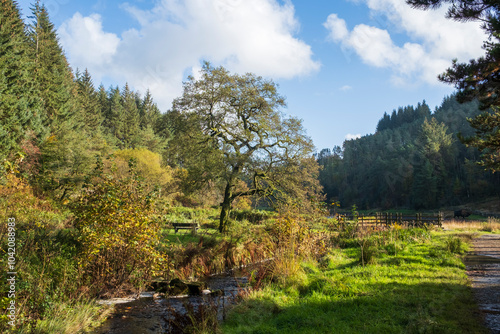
[{"x": 389, "y": 219}]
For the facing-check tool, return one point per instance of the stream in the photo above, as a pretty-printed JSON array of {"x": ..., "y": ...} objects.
[{"x": 150, "y": 314}]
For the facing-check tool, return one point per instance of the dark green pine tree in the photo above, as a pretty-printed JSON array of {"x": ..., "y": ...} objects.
[
  {"x": 66, "y": 155},
  {"x": 89, "y": 101},
  {"x": 152, "y": 135},
  {"x": 478, "y": 79},
  {"x": 131, "y": 122},
  {"x": 113, "y": 117},
  {"x": 149, "y": 112},
  {"x": 53, "y": 75},
  {"x": 20, "y": 114}
]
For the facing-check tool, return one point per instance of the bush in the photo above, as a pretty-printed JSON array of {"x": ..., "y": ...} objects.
[
  {"x": 118, "y": 238},
  {"x": 253, "y": 216},
  {"x": 454, "y": 245}
]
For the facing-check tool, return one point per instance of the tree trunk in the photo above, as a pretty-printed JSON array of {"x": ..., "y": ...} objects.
[{"x": 226, "y": 207}]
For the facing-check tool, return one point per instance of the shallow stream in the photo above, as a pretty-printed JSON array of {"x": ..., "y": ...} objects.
[{"x": 149, "y": 314}]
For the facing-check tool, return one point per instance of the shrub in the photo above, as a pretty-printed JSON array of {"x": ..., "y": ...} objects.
[
  {"x": 118, "y": 239},
  {"x": 454, "y": 245},
  {"x": 369, "y": 251}
]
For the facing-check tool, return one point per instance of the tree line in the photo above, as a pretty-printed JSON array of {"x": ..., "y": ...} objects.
[{"x": 415, "y": 159}]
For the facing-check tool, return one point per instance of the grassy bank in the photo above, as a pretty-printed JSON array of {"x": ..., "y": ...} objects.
[{"x": 413, "y": 282}]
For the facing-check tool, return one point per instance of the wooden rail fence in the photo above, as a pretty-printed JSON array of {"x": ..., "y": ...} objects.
[{"x": 389, "y": 219}]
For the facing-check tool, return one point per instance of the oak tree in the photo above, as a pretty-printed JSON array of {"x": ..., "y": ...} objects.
[{"x": 233, "y": 128}]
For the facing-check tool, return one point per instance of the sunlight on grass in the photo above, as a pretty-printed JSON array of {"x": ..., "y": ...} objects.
[
  {"x": 491, "y": 225},
  {"x": 422, "y": 289}
]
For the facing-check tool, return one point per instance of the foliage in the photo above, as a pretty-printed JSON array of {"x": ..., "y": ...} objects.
[
  {"x": 46, "y": 251},
  {"x": 20, "y": 109},
  {"x": 487, "y": 138},
  {"x": 233, "y": 129},
  {"x": 477, "y": 79},
  {"x": 149, "y": 166},
  {"x": 415, "y": 164},
  {"x": 118, "y": 238}
]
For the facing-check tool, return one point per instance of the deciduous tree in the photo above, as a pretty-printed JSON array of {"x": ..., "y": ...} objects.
[{"x": 239, "y": 119}]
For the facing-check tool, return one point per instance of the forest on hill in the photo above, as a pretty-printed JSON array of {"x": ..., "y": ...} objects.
[{"x": 415, "y": 159}]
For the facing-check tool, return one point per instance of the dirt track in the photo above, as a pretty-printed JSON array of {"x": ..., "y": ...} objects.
[{"x": 483, "y": 267}]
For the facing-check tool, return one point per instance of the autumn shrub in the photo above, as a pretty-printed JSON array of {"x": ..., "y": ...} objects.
[
  {"x": 253, "y": 216},
  {"x": 149, "y": 166},
  {"x": 45, "y": 252},
  {"x": 294, "y": 242},
  {"x": 17, "y": 200},
  {"x": 119, "y": 240}
]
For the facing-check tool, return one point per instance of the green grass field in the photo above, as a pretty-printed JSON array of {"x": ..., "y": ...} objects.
[{"x": 415, "y": 283}]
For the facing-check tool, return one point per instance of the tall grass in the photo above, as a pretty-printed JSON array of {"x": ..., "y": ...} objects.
[{"x": 491, "y": 225}]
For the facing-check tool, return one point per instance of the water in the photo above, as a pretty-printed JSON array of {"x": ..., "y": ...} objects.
[{"x": 152, "y": 315}]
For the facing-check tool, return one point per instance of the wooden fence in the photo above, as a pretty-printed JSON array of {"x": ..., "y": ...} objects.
[{"x": 389, "y": 219}]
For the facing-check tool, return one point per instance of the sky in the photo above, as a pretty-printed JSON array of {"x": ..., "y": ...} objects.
[{"x": 340, "y": 63}]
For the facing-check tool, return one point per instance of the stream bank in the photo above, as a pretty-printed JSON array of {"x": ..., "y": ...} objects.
[{"x": 151, "y": 314}]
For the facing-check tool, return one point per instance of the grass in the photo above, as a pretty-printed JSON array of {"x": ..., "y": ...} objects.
[
  {"x": 491, "y": 225},
  {"x": 77, "y": 317},
  {"x": 422, "y": 289}
]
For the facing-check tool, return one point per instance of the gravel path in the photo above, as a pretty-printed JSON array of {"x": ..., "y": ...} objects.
[{"x": 483, "y": 267}]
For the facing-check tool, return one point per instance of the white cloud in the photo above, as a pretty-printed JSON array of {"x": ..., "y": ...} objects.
[
  {"x": 337, "y": 27},
  {"x": 345, "y": 88},
  {"x": 434, "y": 40},
  {"x": 87, "y": 43},
  {"x": 174, "y": 36},
  {"x": 350, "y": 136}
]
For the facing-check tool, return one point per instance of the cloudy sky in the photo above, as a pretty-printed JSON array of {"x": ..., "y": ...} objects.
[{"x": 340, "y": 63}]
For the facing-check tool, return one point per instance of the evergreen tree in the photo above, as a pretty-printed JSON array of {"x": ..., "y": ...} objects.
[
  {"x": 89, "y": 100},
  {"x": 66, "y": 155},
  {"x": 414, "y": 164},
  {"x": 478, "y": 78},
  {"x": 20, "y": 113},
  {"x": 130, "y": 117},
  {"x": 149, "y": 113},
  {"x": 53, "y": 75},
  {"x": 114, "y": 117}
]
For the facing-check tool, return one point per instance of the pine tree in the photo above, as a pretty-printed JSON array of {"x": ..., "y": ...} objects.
[
  {"x": 149, "y": 112},
  {"x": 89, "y": 101},
  {"x": 66, "y": 155},
  {"x": 113, "y": 117},
  {"x": 20, "y": 114},
  {"x": 478, "y": 79},
  {"x": 130, "y": 119},
  {"x": 53, "y": 74}
]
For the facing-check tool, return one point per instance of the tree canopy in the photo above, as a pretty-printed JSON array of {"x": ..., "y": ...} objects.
[
  {"x": 237, "y": 119},
  {"x": 416, "y": 163}
]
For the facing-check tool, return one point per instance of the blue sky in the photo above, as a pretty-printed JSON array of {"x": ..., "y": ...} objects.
[{"x": 340, "y": 63}]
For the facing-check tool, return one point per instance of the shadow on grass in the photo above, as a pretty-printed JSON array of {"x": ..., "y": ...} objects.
[{"x": 388, "y": 308}]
